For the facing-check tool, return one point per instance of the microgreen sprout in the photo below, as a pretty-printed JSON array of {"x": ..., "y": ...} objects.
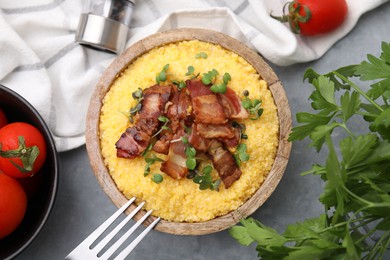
[
  {"x": 253, "y": 107},
  {"x": 201, "y": 55},
  {"x": 162, "y": 75},
  {"x": 209, "y": 77},
  {"x": 221, "y": 87},
  {"x": 191, "y": 72},
  {"x": 149, "y": 161},
  {"x": 157, "y": 178},
  {"x": 165, "y": 126},
  {"x": 179, "y": 84},
  {"x": 205, "y": 180},
  {"x": 191, "y": 160},
  {"x": 184, "y": 140},
  {"x": 241, "y": 155},
  {"x": 138, "y": 96}
]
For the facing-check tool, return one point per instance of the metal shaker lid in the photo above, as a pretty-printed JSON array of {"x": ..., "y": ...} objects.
[{"x": 102, "y": 33}]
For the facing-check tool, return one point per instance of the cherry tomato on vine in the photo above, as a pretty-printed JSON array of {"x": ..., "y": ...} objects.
[
  {"x": 13, "y": 204},
  {"x": 22, "y": 150},
  {"x": 3, "y": 119},
  {"x": 314, "y": 17}
]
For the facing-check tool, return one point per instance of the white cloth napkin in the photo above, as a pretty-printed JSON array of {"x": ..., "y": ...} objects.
[{"x": 41, "y": 61}]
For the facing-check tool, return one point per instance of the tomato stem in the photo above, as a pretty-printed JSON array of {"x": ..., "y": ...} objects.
[
  {"x": 293, "y": 15},
  {"x": 27, "y": 155}
]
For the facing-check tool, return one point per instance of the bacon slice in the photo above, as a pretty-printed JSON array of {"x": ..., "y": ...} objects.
[
  {"x": 196, "y": 141},
  {"x": 206, "y": 107},
  {"x": 234, "y": 141},
  {"x": 175, "y": 164},
  {"x": 132, "y": 143},
  {"x": 162, "y": 144},
  {"x": 208, "y": 110},
  {"x": 136, "y": 139},
  {"x": 232, "y": 105},
  {"x": 178, "y": 109},
  {"x": 223, "y": 161},
  {"x": 215, "y": 131},
  {"x": 153, "y": 106},
  {"x": 197, "y": 88}
]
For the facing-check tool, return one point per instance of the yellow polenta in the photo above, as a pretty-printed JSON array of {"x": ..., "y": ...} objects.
[{"x": 182, "y": 200}]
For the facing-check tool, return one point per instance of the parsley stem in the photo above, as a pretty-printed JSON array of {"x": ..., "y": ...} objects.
[
  {"x": 340, "y": 224},
  {"x": 343, "y": 125},
  {"x": 358, "y": 90}
]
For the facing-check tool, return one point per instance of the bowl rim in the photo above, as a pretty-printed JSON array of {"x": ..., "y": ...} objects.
[
  {"x": 55, "y": 184},
  {"x": 186, "y": 34}
]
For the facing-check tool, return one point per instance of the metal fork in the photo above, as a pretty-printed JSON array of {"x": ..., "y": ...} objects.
[{"x": 84, "y": 250}]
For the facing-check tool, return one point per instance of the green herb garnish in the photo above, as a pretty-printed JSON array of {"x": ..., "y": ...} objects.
[
  {"x": 149, "y": 162},
  {"x": 253, "y": 107},
  {"x": 157, "y": 178},
  {"x": 205, "y": 179},
  {"x": 221, "y": 87},
  {"x": 191, "y": 72},
  {"x": 138, "y": 96},
  {"x": 209, "y": 77},
  {"x": 191, "y": 160},
  {"x": 356, "y": 194},
  {"x": 162, "y": 75},
  {"x": 241, "y": 155},
  {"x": 201, "y": 55},
  {"x": 164, "y": 120},
  {"x": 179, "y": 84}
]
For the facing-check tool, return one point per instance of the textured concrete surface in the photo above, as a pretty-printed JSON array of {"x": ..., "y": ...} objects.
[{"x": 81, "y": 204}]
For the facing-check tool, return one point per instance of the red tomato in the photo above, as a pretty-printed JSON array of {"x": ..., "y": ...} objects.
[
  {"x": 13, "y": 204},
  {"x": 315, "y": 17},
  {"x": 3, "y": 119},
  {"x": 23, "y": 150}
]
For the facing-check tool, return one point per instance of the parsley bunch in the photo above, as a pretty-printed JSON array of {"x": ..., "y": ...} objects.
[{"x": 356, "y": 194}]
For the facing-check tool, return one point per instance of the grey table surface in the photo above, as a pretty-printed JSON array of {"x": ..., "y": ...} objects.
[{"x": 82, "y": 205}]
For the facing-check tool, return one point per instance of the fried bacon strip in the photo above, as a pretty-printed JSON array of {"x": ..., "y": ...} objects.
[
  {"x": 206, "y": 107},
  {"x": 197, "y": 141},
  {"x": 232, "y": 105},
  {"x": 223, "y": 161},
  {"x": 136, "y": 138},
  {"x": 132, "y": 143},
  {"x": 175, "y": 164}
]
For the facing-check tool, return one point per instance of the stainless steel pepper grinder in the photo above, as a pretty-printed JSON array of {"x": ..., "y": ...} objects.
[{"x": 104, "y": 24}]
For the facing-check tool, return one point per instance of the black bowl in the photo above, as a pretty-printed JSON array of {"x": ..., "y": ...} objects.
[{"x": 17, "y": 109}]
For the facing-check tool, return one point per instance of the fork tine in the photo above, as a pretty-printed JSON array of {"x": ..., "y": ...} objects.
[
  {"x": 122, "y": 239},
  {"x": 109, "y": 221},
  {"x": 87, "y": 242},
  {"x": 108, "y": 238},
  {"x": 133, "y": 244}
]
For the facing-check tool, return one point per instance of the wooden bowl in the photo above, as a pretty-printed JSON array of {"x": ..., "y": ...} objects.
[{"x": 159, "y": 39}]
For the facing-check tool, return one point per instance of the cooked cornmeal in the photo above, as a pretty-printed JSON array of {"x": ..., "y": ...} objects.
[{"x": 182, "y": 200}]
